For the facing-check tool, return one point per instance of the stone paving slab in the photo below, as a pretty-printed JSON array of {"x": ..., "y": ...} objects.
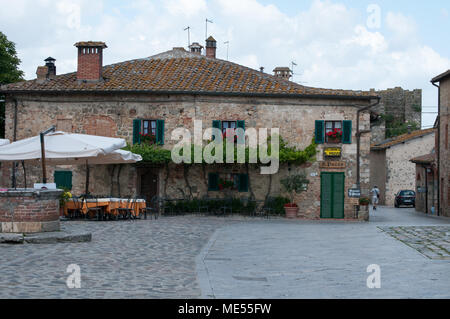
[
  {"x": 125, "y": 259},
  {"x": 431, "y": 241}
]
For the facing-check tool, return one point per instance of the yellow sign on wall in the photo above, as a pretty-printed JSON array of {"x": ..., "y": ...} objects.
[{"x": 333, "y": 151}]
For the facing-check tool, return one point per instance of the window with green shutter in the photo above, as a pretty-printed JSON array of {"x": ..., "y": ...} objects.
[
  {"x": 241, "y": 124},
  {"x": 319, "y": 132},
  {"x": 347, "y": 132},
  {"x": 218, "y": 125},
  {"x": 213, "y": 182},
  {"x": 160, "y": 132},
  {"x": 243, "y": 183},
  {"x": 137, "y": 131},
  {"x": 63, "y": 179}
]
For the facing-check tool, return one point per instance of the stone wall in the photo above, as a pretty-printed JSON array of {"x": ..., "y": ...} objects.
[
  {"x": 404, "y": 105},
  {"x": 378, "y": 173},
  {"x": 112, "y": 115},
  {"x": 444, "y": 147},
  {"x": 400, "y": 172}
]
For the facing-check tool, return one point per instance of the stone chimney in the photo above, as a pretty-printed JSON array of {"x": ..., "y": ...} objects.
[
  {"x": 196, "y": 48},
  {"x": 46, "y": 72},
  {"x": 41, "y": 72},
  {"x": 90, "y": 61},
  {"x": 50, "y": 64},
  {"x": 282, "y": 72},
  {"x": 211, "y": 46}
]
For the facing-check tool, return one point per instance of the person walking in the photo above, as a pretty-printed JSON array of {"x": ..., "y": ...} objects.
[{"x": 375, "y": 196}]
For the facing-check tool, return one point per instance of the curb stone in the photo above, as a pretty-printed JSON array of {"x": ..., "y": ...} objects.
[{"x": 11, "y": 238}]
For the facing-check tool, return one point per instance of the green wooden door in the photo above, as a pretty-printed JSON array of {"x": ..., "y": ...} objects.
[{"x": 332, "y": 195}]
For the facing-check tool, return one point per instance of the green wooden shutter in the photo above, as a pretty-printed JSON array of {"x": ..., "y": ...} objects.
[
  {"x": 326, "y": 195},
  {"x": 213, "y": 182},
  {"x": 243, "y": 183},
  {"x": 216, "y": 124},
  {"x": 63, "y": 179},
  {"x": 347, "y": 132},
  {"x": 338, "y": 195},
  {"x": 136, "y": 131},
  {"x": 160, "y": 132},
  {"x": 241, "y": 124},
  {"x": 319, "y": 133}
]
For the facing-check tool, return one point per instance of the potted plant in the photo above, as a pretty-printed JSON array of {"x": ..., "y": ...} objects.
[
  {"x": 294, "y": 184},
  {"x": 364, "y": 201},
  {"x": 334, "y": 136},
  {"x": 65, "y": 196}
]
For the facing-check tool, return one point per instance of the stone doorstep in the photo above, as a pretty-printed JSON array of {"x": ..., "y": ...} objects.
[{"x": 46, "y": 238}]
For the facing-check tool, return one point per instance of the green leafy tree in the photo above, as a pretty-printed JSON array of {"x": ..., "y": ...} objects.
[{"x": 9, "y": 72}]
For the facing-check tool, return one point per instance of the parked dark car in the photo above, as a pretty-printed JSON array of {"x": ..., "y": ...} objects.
[{"x": 405, "y": 198}]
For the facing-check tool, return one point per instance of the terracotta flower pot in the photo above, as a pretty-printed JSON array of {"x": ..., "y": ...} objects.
[{"x": 291, "y": 212}]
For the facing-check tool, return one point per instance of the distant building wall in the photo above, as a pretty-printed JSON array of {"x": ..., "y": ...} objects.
[
  {"x": 378, "y": 172},
  {"x": 400, "y": 172},
  {"x": 403, "y": 105}
]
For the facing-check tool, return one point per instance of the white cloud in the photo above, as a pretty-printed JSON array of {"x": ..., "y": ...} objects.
[
  {"x": 186, "y": 7},
  {"x": 327, "y": 40}
]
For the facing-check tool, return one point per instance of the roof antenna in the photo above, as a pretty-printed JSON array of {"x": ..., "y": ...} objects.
[
  {"x": 188, "y": 28},
  {"x": 228, "y": 44},
  {"x": 206, "y": 30},
  {"x": 292, "y": 69}
]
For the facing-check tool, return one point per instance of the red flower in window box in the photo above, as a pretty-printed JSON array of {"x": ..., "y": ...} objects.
[
  {"x": 147, "y": 138},
  {"x": 334, "y": 135}
]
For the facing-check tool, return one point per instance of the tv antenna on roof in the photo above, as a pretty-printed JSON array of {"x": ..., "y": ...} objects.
[
  {"x": 206, "y": 29},
  {"x": 228, "y": 44},
  {"x": 188, "y": 28},
  {"x": 292, "y": 69}
]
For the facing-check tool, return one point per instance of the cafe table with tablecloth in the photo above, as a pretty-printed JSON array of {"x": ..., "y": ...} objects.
[{"x": 110, "y": 205}]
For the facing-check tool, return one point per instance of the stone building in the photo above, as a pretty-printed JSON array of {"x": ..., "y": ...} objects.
[
  {"x": 157, "y": 94},
  {"x": 426, "y": 183},
  {"x": 390, "y": 166},
  {"x": 442, "y": 81},
  {"x": 397, "y": 107}
]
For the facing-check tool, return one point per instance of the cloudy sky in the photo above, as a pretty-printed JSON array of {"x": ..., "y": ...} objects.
[{"x": 335, "y": 44}]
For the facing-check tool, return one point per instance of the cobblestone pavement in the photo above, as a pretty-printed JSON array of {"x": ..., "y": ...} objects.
[
  {"x": 191, "y": 257},
  {"x": 126, "y": 259},
  {"x": 431, "y": 241},
  {"x": 323, "y": 259}
]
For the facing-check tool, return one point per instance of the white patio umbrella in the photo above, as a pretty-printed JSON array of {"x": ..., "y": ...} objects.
[
  {"x": 3, "y": 142},
  {"x": 69, "y": 149}
]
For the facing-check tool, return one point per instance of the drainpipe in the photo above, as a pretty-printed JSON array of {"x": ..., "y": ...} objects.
[
  {"x": 13, "y": 181},
  {"x": 438, "y": 150},
  {"x": 358, "y": 140}
]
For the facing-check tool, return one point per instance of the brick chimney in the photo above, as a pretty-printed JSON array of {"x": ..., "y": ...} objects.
[
  {"x": 282, "y": 72},
  {"x": 90, "y": 61},
  {"x": 196, "y": 48},
  {"x": 211, "y": 46}
]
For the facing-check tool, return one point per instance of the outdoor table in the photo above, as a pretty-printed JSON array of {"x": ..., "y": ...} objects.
[{"x": 110, "y": 205}]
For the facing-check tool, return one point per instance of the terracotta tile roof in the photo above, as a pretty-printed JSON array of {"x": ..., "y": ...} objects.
[
  {"x": 424, "y": 159},
  {"x": 181, "y": 71},
  {"x": 401, "y": 139}
]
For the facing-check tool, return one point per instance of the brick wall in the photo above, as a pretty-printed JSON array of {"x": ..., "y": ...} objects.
[{"x": 29, "y": 211}]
